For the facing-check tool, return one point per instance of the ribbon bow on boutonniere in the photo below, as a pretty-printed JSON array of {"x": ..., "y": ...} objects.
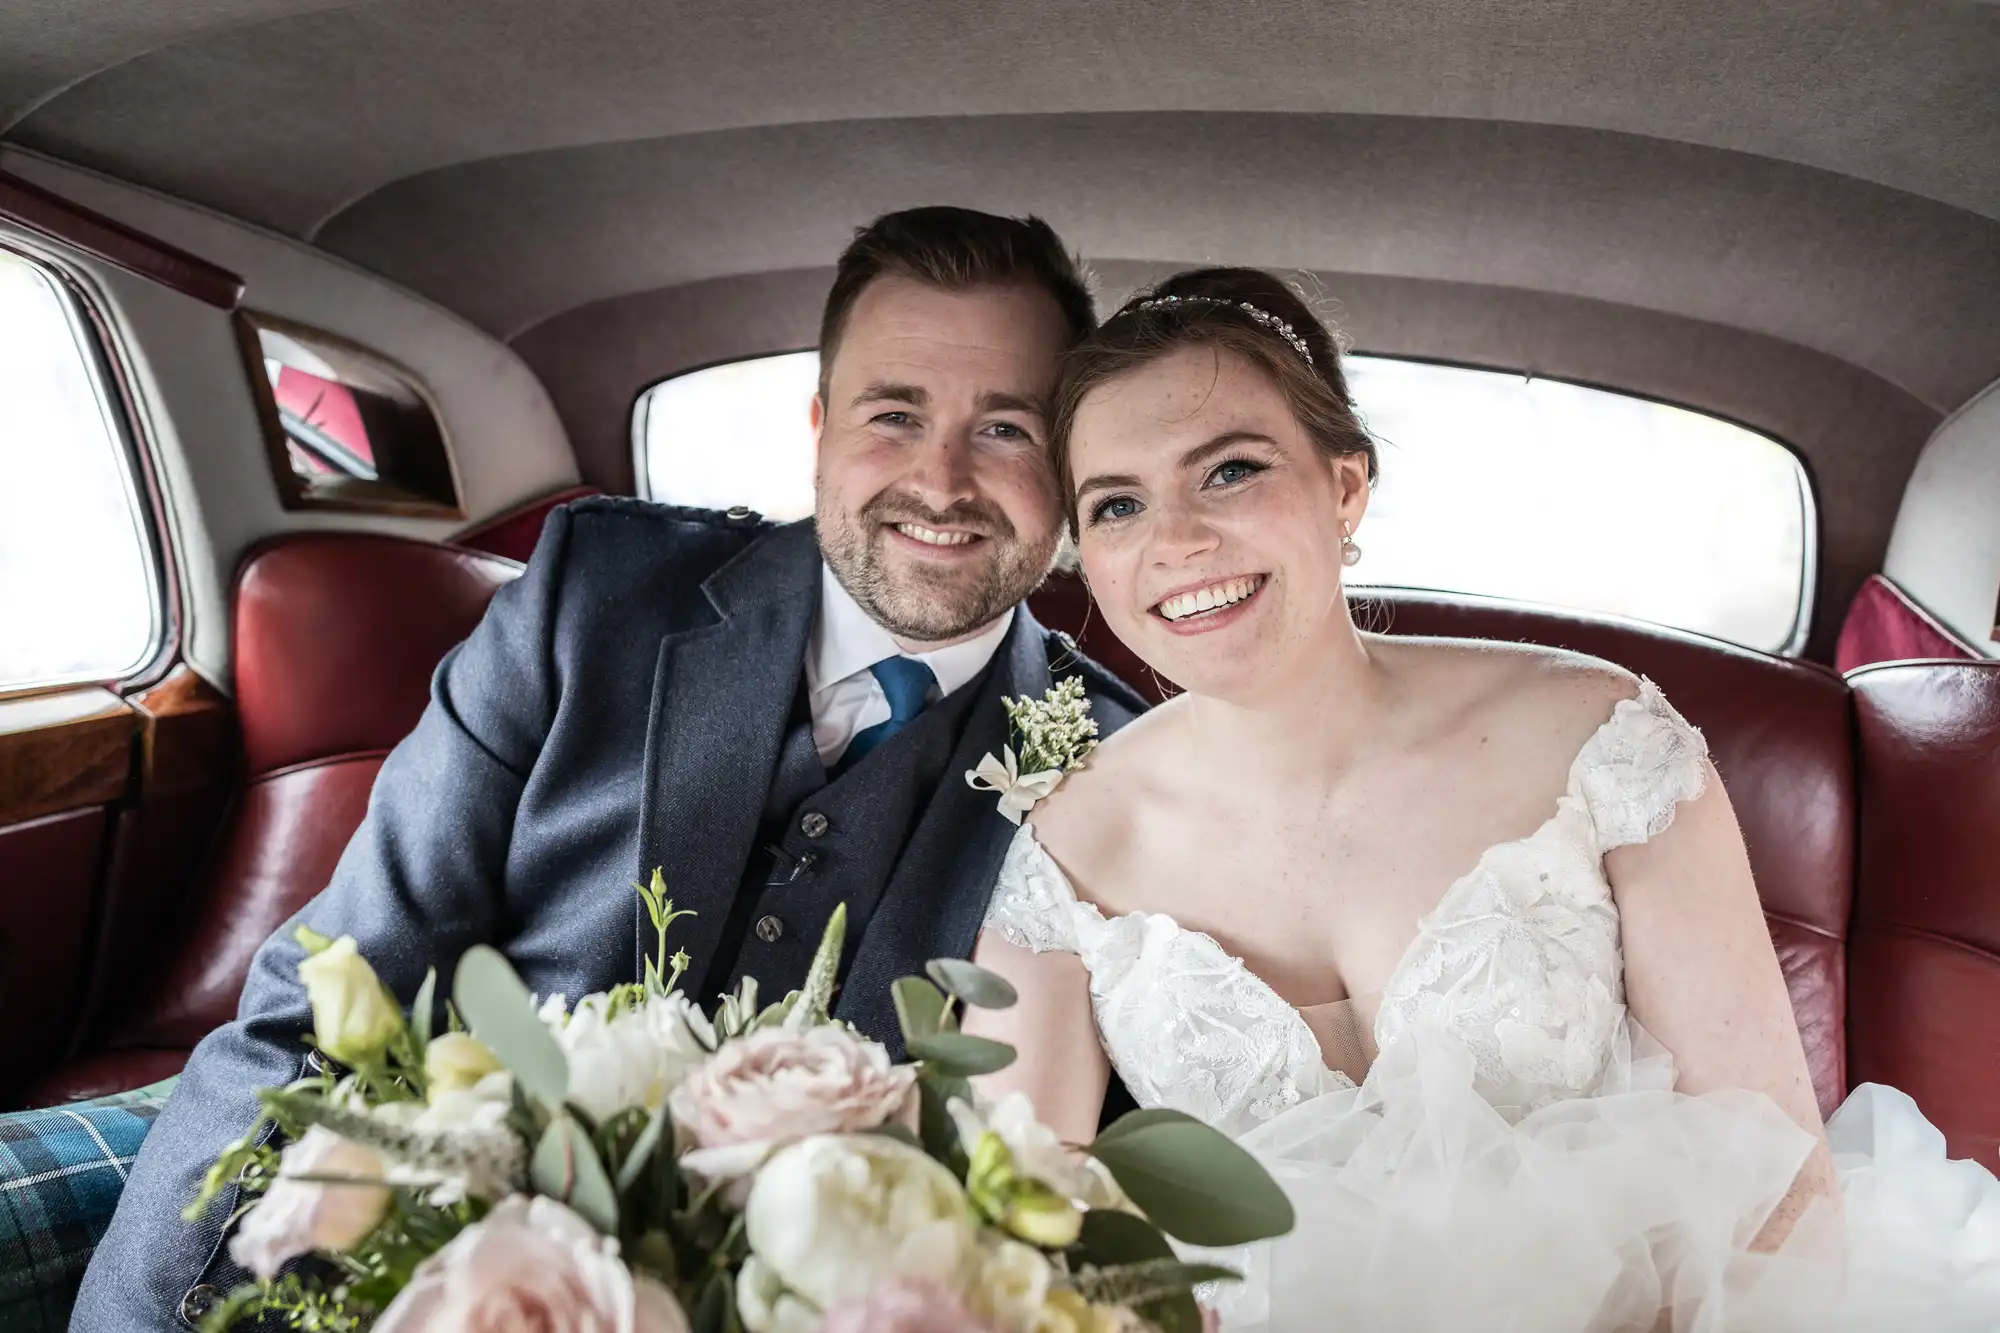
[{"x": 1052, "y": 735}]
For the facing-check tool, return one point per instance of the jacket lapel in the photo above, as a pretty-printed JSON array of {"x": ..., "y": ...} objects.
[
  {"x": 935, "y": 901},
  {"x": 722, "y": 695}
]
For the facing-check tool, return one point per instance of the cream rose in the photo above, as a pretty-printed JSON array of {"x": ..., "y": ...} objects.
[
  {"x": 775, "y": 1087},
  {"x": 456, "y": 1062},
  {"x": 835, "y": 1216},
  {"x": 1038, "y": 1152},
  {"x": 354, "y": 1016},
  {"x": 1011, "y": 1286},
  {"x": 532, "y": 1263},
  {"x": 299, "y": 1216},
  {"x": 625, "y": 1058}
]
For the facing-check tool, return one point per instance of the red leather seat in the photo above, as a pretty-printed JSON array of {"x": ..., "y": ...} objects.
[
  {"x": 336, "y": 638},
  {"x": 513, "y": 534},
  {"x": 1924, "y": 980}
]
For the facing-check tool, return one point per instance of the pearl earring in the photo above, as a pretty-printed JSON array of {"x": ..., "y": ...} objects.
[{"x": 1350, "y": 550}]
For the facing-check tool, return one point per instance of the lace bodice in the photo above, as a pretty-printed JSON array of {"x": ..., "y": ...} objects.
[{"x": 1519, "y": 960}]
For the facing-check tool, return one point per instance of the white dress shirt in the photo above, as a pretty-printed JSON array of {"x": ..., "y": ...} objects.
[{"x": 845, "y": 696}]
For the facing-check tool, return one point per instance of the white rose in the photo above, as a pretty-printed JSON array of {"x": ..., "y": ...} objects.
[
  {"x": 1011, "y": 1286},
  {"x": 834, "y": 1216},
  {"x": 298, "y": 1216},
  {"x": 632, "y": 1058},
  {"x": 354, "y": 1016},
  {"x": 475, "y": 1151},
  {"x": 764, "y": 1306},
  {"x": 531, "y": 1263},
  {"x": 1038, "y": 1152}
]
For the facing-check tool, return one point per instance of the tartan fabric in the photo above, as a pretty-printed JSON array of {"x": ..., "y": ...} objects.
[{"x": 61, "y": 1171}]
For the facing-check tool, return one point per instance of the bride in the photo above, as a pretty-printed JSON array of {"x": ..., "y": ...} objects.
[{"x": 1459, "y": 938}]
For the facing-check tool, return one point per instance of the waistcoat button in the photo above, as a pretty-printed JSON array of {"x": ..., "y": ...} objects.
[
  {"x": 814, "y": 825},
  {"x": 197, "y": 1303},
  {"x": 769, "y": 928}
]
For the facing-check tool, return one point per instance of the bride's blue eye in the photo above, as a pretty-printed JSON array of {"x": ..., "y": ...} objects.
[
  {"x": 1231, "y": 472},
  {"x": 1113, "y": 508}
]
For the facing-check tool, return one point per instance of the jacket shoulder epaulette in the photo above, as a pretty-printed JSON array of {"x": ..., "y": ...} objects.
[
  {"x": 739, "y": 518},
  {"x": 1066, "y": 658}
]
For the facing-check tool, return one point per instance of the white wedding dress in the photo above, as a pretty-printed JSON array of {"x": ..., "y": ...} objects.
[{"x": 1515, "y": 1157}]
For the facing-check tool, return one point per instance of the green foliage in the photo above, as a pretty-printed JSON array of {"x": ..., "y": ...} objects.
[
  {"x": 225, "y": 1170},
  {"x": 960, "y": 1054},
  {"x": 814, "y": 1004},
  {"x": 920, "y": 1008},
  {"x": 662, "y": 973},
  {"x": 1191, "y": 1180},
  {"x": 490, "y": 994},
  {"x": 972, "y": 984},
  {"x": 1112, "y": 1240},
  {"x": 420, "y": 1016},
  {"x": 566, "y": 1167}
]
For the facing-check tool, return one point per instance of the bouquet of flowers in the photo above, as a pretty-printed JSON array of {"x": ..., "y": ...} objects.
[{"x": 633, "y": 1163}]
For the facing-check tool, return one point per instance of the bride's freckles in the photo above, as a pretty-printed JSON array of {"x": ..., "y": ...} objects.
[{"x": 1208, "y": 522}]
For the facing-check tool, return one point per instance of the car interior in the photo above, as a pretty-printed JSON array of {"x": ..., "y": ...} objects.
[{"x": 1685, "y": 317}]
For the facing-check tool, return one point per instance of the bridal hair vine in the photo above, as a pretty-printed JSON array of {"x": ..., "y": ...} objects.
[
  {"x": 1258, "y": 313},
  {"x": 1054, "y": 734}
]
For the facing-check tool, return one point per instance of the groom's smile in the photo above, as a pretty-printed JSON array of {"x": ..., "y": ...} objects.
[{"x": 936, "y": 505}]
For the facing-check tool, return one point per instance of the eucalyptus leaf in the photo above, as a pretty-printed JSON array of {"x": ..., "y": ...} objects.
[
  {"x": 919, "y": 1007},
  {"x": 501, "y": 1014},
  {"x": 934, "y": 1123},
  {"x": 972, "y": 983},
  {"x": 957, "y": 1053},
  {"x": 1134, "y": 1120},
  {"x": 1192, "y": 1182},
  {"x": 1113, "y": 1240},
  {"x": 641, "y": 1152},
  {"x": 420, "y": 1014},
  {"x": 565, "y": 1166}
]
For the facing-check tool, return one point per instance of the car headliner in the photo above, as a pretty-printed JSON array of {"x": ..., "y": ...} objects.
[{"x": 1804, "y": 196}]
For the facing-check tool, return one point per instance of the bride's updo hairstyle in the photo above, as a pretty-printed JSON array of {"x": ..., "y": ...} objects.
[{"x": 1205, "y": 307}]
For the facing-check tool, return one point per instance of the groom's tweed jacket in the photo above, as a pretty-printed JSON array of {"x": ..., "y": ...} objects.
[{"x": 622, "y": 706}]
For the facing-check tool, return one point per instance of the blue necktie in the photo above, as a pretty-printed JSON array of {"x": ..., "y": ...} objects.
[{"x": 907, "y": 684}]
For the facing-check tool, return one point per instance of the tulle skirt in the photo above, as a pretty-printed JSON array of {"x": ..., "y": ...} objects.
[{"x": 1421, "y": 1207}]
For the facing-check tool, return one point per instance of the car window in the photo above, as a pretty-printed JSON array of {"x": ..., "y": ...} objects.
[
  {"x": 1493, "y": 484},
  {"x": 79, "y": 597},
  {"x": 349, "y": 429}
]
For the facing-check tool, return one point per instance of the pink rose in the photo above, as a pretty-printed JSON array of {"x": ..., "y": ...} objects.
[
  {"x": 902, "y": 1306},
  {"x": 298, "y": 1216},
  {"x": 775, "y": 1087},
  {"x": 532, "y": 1263}
]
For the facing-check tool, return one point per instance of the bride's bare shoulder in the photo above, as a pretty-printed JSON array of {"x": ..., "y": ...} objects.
[{"x": 1539, "y": 699}]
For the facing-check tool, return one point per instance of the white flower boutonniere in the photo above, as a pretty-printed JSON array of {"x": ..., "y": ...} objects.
[{"x": 1052, "y": 733}]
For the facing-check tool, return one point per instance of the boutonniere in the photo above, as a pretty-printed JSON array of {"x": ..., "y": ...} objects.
[{"x": 1051, "y": 734}]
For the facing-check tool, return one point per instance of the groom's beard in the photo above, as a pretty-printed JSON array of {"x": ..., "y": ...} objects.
[{"x": 931, "y": 603}]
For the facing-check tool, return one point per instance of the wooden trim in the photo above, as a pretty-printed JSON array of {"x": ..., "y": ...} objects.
[
  {"x": 186, "y": 737},
  {"x": 100, "y": 237},
  {"x": 342, "y": 494},
  {"x": 64, "y": 752}
]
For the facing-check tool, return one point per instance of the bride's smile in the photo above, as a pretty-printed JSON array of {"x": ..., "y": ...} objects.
[{"x": 1211, "y": 523}]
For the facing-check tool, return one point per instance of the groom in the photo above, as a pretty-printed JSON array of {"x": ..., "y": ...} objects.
[{"x": 778, "y": 717}]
